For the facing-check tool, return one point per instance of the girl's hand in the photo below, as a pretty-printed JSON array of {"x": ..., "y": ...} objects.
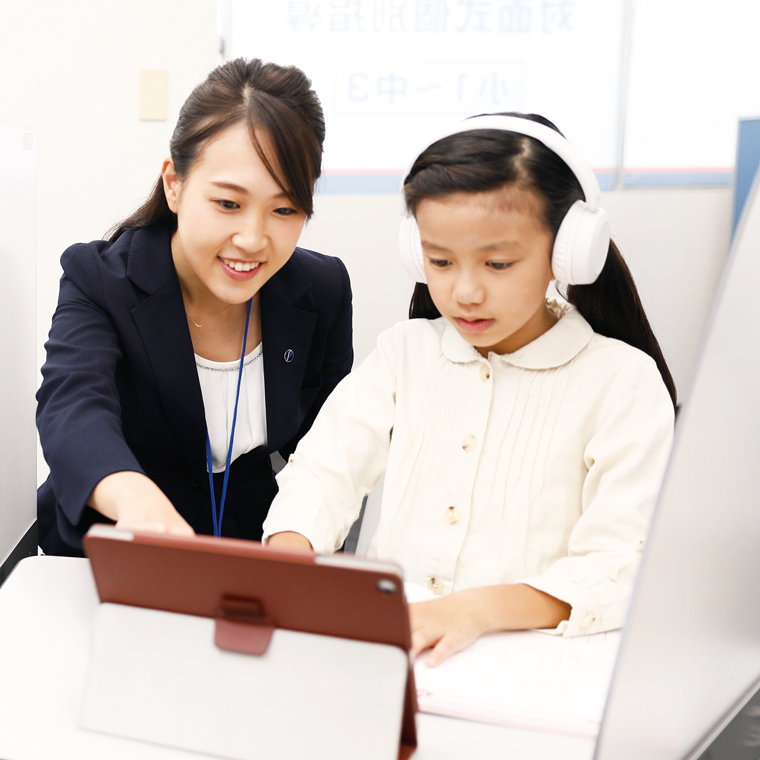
[
  {"x": 290, "y": 541},
  {"x": 135, "y": 502},
  {"x": 448, "y": 624},
  {"x": 453, "y": 622}
]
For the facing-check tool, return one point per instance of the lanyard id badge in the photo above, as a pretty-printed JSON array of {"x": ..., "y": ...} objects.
[{"x": 218, "y": 523}]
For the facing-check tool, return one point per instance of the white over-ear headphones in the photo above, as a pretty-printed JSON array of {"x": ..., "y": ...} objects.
[{"x": 583, "y": 238}]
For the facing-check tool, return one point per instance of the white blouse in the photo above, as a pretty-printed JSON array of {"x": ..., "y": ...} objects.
[
  {"x": 219, "y": 385},
  {"x": 539, "y": 467}
]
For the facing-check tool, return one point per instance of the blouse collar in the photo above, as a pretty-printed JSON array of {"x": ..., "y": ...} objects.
[{"x": 557, "y": 346}]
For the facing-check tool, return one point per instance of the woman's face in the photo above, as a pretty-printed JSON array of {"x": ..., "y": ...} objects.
[
  {"x": 488, "y": 264},
  {"x": 235, "y": 226}
]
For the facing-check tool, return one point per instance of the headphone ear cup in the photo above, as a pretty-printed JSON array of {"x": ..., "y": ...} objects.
[
  {"x": 410, "y": 246},
  {"x": 581, "y": 245}
]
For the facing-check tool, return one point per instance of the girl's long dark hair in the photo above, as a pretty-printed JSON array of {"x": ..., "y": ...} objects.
[
  {"x": 276, "y": 101},
  {"x": 490, "y": 159}
]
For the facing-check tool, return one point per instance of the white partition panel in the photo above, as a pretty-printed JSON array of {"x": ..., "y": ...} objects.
[
  {"x": 18, "y": 503},
  {"x": 690, "y": 654}
]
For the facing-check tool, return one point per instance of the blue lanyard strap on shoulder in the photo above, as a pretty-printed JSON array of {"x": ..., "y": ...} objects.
[{"x": 218, "y": 523}]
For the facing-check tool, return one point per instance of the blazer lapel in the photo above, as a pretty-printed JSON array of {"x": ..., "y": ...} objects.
[
  {"x": 161, "y": 323},
  {"x": 286, "y": 333}
]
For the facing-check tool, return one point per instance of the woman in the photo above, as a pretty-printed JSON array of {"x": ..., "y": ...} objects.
[{"x": 198, "y": 339}]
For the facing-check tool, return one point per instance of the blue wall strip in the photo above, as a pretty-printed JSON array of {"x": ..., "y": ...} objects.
[
  {"x": 679, "y": 179},
  {"x": 747, "y": 161}
]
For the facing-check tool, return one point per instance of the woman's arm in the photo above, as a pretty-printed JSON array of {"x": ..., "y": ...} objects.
[
  {"x": 453, "y": 622},
  {"x": 134, "y": 502},
  {"x": 79, "y": 410}
]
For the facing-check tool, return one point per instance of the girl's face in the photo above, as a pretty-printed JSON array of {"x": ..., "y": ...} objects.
[
  {"x": 235, "y": 227},
  {"x": 488, "y": 265}
]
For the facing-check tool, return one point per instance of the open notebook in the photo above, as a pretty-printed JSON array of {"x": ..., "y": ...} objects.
[{"x": 525, "y": 679}]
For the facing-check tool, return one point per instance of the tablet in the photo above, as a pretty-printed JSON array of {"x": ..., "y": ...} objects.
[{"x": 247, "y": 587}]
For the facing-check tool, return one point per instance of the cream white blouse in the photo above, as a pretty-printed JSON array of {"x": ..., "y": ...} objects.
[
  {"x": 541, "y": 466},
  {"x": 218, "y": 386}
]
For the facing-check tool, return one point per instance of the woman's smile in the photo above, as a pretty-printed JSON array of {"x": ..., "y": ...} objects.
[
  {"x": 241, "y": 266},
  {"x": 238, "y": 270}
]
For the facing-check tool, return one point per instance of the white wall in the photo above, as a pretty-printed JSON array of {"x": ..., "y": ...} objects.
[{"x": 70, "y": 70}]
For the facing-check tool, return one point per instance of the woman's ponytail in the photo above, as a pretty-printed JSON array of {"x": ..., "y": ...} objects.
[{"x": 155, "y": 210}]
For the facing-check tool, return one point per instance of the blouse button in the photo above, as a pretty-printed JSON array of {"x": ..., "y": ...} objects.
[
  {"x": 485, "y": 372},
  {"x": 468, "y": 442},
  {"x": 291, "y": 459},
  {"x": 588, "y": 621},
  {"x": 435, "y": 586},
  {"x": 453, "y": 515}
]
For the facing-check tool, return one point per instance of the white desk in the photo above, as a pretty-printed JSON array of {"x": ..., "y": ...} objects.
[{"x": 46, "y": 610}]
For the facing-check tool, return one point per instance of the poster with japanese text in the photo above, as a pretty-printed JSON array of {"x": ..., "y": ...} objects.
[{"x": 392, "y": 74}]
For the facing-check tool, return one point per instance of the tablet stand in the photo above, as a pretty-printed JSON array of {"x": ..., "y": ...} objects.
[{"x": 237, "y": 687}]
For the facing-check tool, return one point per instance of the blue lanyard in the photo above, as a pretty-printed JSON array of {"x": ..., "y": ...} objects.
[{"x": 218, "y": 523}]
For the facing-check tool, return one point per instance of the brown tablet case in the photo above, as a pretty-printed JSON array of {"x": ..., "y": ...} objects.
[{"x": 250, "y": 589}]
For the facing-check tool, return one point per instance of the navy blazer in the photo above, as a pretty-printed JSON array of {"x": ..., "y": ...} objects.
[{"x": 120, "y": 387}]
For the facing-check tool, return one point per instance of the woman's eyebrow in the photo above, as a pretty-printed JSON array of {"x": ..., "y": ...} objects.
[
  {"x": 239, "y": 189},
  {"x": 230, "y": 186}
]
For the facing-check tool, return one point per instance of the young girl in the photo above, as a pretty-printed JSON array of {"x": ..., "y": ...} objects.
[
  {"x": 523, "y": 440},
  {"x": 198, "y": 339}
]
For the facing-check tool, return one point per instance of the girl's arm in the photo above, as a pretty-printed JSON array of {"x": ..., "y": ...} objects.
[
  {"x": 587, "y": 591},
  {"x": 341, "y": 458},
  {"x": 453, "y": 622},
  {"x": 625, "y": 457}
]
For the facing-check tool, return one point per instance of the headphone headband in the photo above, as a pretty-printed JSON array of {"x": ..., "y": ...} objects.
[{"x": 545, "y": 135}]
